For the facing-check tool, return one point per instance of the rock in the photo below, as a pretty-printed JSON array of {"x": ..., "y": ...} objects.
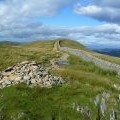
[
  {"x": 4, "y": 84},
  {"x": 7, "y": 82},
  {"x": 48, "y": 84},
  {"x": 117, "y": 87},
  {"x": 28, "y": 83},
  {"x": 26, "y": 78},
  {"x": 29, "y": 73},
  {"x": 9, "y": 69},
  {"x": 1, "y": 81},
  {"x": 24, "y": 62},
  {"x": 21, "y": 115},
  {"x": 18, "y": 78},
  {"x": 33, "y": 81},
  {"x": 1, "y": 76}
]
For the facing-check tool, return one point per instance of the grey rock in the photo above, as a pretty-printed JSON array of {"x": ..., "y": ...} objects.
[
  {"x": 33, "y": 81},
  {"x": 1, "y": 76},
  {"x": 29, "y": 73},
  {"x": 9, "y": 69},
  {"x": 7, "y": 82},
  {"x": 26, "y": 77},
  {"x": 24, "y": 62},
  {"x": 18, "y": 78},
  {"x": 21, "y": 115},
  {"x": 4, "y": 84}
]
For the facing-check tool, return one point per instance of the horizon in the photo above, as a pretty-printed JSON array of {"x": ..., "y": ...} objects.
[{"x": 90, "y": 22}]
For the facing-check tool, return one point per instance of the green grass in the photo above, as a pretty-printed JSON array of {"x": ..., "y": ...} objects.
[
  {"x": 42, "y": 52},
  {"x": 83, "y": 82},
  {"x": 71, "y": 44},
  {"x": 107, "y": 57}
]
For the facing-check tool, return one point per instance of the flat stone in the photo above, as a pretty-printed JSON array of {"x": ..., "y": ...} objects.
[
  {"x": 8, "y": 82},
  {"x": 26, "y": 77},
  {"x": 48, "y": 84},
  {"x": 4, "y": 84},
  {"x": 9, "y": 69},
  {"x": 33, "y": 81},
  {"x": 18, "y": 78},
  {"x": 24, "y": 62}
]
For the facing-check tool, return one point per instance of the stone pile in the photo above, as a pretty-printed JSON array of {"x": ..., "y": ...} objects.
[{"x": 30, "y": 73}]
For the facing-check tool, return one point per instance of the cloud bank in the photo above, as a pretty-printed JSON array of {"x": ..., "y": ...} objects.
[
  {"x": 17, "y": 21},
  {"x": 21, "y": 10},
  {"x": 102, "y": 10},
  {"x": 107, "y": 34}
]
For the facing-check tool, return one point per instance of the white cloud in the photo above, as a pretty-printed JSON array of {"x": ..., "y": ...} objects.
[
  {"x": 88, "y": 35},
  {"x": 16, "y": 21},
  {"x": 89, "y": 10},
  {"x": 103, "y": 10},
  {"x": 110, "y": 3},
  {"x": 21, "y": 10}
]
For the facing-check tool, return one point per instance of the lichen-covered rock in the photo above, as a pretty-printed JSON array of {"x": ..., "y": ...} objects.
[{"x": 30, "y": 73}]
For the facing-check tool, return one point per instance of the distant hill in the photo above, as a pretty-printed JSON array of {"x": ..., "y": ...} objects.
[
  {"x": 9, "y": 43},
  {"x": 108, "y": 51}
]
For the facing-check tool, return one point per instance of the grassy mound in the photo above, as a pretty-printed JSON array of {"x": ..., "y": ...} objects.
[
  {"x": 40, "y": 51},
  {"x": 83, "y": 82}
]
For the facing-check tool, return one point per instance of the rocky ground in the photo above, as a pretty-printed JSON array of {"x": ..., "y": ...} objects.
[{"x": 30, "y": 73}]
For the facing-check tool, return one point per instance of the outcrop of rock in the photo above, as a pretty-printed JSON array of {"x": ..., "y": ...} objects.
[{"x": 30, "y": 73}]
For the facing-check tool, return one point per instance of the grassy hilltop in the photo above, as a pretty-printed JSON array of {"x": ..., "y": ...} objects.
[
  {"x": 41, "y": 52},
  {"x": 83, "y": 79}
]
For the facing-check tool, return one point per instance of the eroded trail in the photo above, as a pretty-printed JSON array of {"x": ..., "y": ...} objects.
[{"x": 64, "y": 56}]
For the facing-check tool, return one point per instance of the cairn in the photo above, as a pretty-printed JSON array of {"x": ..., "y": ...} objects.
[{"x": 30, "y": 73}]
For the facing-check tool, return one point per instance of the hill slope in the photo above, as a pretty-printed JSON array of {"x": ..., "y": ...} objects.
[
  {"x": 4, "y": 43},
  {"x": 75, "y": 100}
]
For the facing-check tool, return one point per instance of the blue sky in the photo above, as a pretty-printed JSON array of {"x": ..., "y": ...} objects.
[
  {"x": 90, "y": 22},
  {"x": 66, "y": 17}
]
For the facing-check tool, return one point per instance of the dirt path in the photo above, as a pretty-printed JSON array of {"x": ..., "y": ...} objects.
[{"x": 63, "y": 57}]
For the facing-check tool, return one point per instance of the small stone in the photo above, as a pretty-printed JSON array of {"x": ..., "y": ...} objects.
[
  {"x": 24, "y": 62},
  {"x": 9, "y": 69},
  {"x": 18, "y": 78},
  {"x": 1, "y": 75},
  {"x": 21, "y": 115},
  {"x": 4, "y": 84},
  {"x": 26, "y": 78},
  {"x": 7, "y": 82},
  {"x": 33, "y": 81},
  {"x": 33, "y": 63},
  {"x": 28, "y": 83},
  {"x": 1, "y": 81},
  {"x": 48, "y": 84}
]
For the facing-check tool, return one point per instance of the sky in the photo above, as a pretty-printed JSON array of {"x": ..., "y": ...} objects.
[{"x": 93, "y": 23}]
